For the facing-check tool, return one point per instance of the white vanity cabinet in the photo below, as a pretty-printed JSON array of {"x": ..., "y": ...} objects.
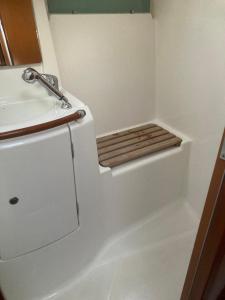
[{"x": 37, "y": 191}]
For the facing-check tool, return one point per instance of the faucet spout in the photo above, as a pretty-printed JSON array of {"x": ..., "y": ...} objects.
[{"x": 31, "y": 75}]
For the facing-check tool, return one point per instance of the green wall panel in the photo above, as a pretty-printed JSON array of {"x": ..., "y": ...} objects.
[{"x": 98, "y": 6}]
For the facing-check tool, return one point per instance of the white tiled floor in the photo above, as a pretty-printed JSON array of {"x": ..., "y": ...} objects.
[{"x": 148, "y": 263}]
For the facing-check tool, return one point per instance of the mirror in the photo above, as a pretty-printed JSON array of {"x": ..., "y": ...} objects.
[{"x": 19, "y": 43}]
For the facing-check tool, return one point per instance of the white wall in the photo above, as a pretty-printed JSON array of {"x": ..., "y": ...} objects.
[
  {"x": 11, "y": 83},
  {"x": 190, "y": 80},
  {"x": 108, "y": 62}
]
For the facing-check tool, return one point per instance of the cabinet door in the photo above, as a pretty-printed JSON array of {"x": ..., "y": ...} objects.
[{"x": 37, "y": 192}]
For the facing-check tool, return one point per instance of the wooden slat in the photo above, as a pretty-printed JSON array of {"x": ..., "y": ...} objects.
[
  {"x": 135, "y": 147},
  {"x": 115, "y": 161},
  {"x": 131, "y": 141},
  {"x": 124, "y": 132},
  {"x": 127, "y": 137},
  {"x": 120, "y": 147}
]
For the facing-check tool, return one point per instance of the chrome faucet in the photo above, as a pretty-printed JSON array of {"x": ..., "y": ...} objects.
[{"x": 50, "y": 82}]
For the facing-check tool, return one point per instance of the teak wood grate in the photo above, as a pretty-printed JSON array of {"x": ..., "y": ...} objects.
[{"x": 121, "y": 147}]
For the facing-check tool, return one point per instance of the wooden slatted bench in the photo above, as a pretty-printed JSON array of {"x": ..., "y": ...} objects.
[{"x": 118, "y": 148}]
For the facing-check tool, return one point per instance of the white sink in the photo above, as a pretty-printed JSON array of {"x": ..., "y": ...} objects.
[
  {"x": 21, "y": 113},
  {"x": 17, "y": 111}
]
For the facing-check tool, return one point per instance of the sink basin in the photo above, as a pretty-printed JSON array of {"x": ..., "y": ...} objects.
[
  {"x": 16, "y": 111},
  {"x": 20, "y": 113}
]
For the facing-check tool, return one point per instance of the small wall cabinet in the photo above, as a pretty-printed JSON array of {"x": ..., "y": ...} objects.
[
  {"x": 98, "y": 6},
  {"x": 18, "y": 34}
]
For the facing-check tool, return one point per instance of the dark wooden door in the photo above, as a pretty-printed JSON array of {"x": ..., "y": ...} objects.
[
  {"x": 2, "y": 58},
  {"x": 205, "y": 279},
  {"x": 1, "y": 296}
]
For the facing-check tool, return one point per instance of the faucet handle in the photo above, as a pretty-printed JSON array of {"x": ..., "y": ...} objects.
[
  {"x": 29, "y": 75},
  {"x": 52, "y": 79},
  {"x": 50, "y": 82}
]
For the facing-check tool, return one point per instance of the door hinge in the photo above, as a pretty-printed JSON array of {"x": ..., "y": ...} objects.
[
  {"x": 72, "y": 150},
  {"x": 222, "y": 154}
]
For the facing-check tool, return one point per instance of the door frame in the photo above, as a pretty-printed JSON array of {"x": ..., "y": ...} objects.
[{"x": 210, "y": 237}]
